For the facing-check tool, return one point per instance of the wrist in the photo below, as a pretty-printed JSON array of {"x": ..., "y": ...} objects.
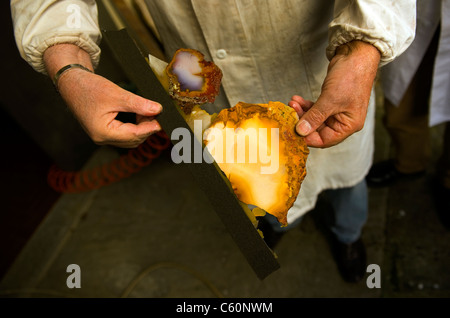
[
  {"x": 362, "y": 49},
  {"x": 58, "y": 56}
]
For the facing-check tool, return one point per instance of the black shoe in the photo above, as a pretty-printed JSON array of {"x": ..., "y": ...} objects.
[
  {"x": 384, "y": 174},
  {"x": 442, "y": 203},
  {"x": 351, "y": 260}
]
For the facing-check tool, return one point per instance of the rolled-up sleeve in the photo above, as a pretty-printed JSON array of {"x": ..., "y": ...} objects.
[
  {"x": 39, "y": 24},
  {"x": 388, "y": 25}
]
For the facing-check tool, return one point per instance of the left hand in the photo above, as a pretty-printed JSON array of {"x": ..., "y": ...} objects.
[{"x": 342, "y": 105}]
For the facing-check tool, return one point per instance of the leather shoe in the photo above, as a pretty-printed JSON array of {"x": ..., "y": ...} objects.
[
  {"x": 351, "y": 260},
  {"x": 384, "y": 174}
]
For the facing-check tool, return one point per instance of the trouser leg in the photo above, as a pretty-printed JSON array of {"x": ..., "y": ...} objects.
[
  {"x": 351, "y": 209},
  {"x": 407, "y": 123},
  {"x": 443, "y": 170},
  {"x": 408, "y": 128}
]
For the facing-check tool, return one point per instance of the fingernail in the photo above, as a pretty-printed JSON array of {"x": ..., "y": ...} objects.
[
  {"x": 303, "y": 128},
  {"x": 157, "y": 107},
  {"x": 296, "y": 106}
]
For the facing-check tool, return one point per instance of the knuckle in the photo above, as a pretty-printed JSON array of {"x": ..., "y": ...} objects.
[
  {"x": 317, "y": 115},
  {"x": 359, "y": 126}
]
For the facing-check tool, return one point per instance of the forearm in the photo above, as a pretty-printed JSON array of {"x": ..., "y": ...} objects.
[
  {"x": 42, "y": 24},
  {"x": 60, "y": 55},
  {"x": 390, "y": 28}
]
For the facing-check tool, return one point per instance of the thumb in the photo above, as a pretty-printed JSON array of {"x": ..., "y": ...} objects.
[
  {"x": 312, "y": 119},
  {"x": 132, "y": 103}
]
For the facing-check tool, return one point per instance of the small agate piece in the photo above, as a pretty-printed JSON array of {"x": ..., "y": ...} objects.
[{"x": 192, "y": 80}]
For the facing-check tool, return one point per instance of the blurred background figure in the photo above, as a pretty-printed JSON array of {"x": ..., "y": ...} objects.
[{"x": 417, "y": 95}]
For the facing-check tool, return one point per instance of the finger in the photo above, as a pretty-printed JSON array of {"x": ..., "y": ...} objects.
[
  {"x": 314, "y": 140},
  {"x": 304, "y": 103},
  {"x": 324, "y": 137},
  {"x": 300, "y": 105},
  {"x": 313, "y": 118},
  {"x": 296, "y": 106},
  {"x": 129, "y": 135},
  {"x": 140, "y": 130},
  {"x": 132, "y": 103},
  {"x": 141, "y": 119}
]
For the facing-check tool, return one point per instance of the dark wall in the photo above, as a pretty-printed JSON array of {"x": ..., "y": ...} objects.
[{"x": 32, "y": 102}]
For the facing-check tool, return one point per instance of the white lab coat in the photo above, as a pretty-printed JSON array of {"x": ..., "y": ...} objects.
[
  {"x": 268, "y": 51},
  {"x": 397, "y": 76}
]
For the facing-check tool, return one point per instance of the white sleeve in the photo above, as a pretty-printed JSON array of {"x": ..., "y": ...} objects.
[
  {"x": 388, "y": 25},
  {"x": 39, "y": 24}
]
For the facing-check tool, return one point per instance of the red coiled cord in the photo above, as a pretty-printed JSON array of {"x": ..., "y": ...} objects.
[{"x": 122, "y": 167}]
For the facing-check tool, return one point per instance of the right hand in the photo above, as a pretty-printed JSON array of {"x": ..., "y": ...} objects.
[
  {"x": 341, "y": 108},
  {"x": 96, "y": 101}
]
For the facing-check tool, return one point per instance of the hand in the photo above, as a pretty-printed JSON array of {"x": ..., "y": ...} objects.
[
  {"x": 342, "y": 105},
  {"x": 96, "y": 101}
]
